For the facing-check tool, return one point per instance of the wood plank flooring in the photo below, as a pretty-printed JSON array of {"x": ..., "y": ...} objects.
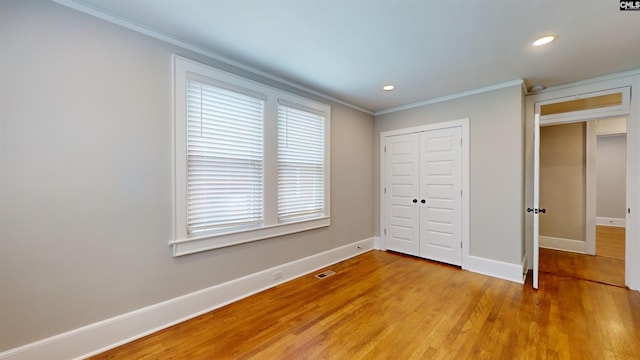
[
  {"x": 382, "y": 305},
  {"x": 610, "y": 241},
  {"x": 602, "y": 269}
]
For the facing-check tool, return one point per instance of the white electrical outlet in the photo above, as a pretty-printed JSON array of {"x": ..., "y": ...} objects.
[{"x": 277, "y": 275}]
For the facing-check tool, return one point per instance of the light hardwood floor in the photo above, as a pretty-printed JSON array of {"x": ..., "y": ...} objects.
[
  {"x": 601, "y": 269},
  {"x": 606, "y": 267},
  {"x": 610, "y": 241},
  {"x": 382, "y": 305}
]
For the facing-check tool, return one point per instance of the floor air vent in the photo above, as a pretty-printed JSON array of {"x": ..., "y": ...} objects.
[{"x": 325, "y": 274}]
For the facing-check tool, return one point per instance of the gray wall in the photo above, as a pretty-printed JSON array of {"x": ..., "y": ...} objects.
[
  {"x": 86, "y": 177},
  {"x": 496, "y": 165},
  {"x": 611, "y": 175},
  {"x": 563, "y": 166}
]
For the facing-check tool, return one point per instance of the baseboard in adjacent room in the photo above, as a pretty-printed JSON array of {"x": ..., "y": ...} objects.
[
  {"x": 107, "y": 334},
  {"x": 611, "y": 221},
  {"x": 555, "y": 243}
]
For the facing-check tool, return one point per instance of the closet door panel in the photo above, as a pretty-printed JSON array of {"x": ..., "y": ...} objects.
[
  {"x": 440, "y": 195},
  {"x": 402, "y": 190}
]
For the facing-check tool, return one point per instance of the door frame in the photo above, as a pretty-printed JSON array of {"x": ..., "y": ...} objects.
[
  {"x": 632, "y": 111},
  {"x": 464, "y": 126}
]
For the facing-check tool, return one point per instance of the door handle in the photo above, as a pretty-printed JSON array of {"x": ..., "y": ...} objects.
[
  {"x": 423, "y": 201},
  {"x": 537, "y": 211},
  {"x": 415, "y": 201}
]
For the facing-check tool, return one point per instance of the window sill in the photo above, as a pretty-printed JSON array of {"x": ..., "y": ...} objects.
[{"x": 197, "y": 244}]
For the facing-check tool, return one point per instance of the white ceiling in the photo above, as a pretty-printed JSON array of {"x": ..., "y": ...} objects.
[{"x": 348, "y": 49}]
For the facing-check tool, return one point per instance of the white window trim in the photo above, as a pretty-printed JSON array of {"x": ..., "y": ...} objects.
[{"x": 184, "y": 244}]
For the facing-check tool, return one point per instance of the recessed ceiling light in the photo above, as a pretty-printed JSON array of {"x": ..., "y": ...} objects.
[
  {"x": 544, "y": 40},
  {"x": 388, "y": 87}
]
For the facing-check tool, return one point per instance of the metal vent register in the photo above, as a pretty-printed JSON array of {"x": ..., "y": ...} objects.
[{"x": 325, "y": 274}]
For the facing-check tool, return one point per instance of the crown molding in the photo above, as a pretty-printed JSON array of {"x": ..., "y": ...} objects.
[
  {"x": 168, "y": 38},
  {"x": 452, "y": 96},
  {"x": 608, "y": 77}
]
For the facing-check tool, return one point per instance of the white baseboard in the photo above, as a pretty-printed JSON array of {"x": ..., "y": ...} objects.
[
  {"x": 107, "y": 334},
  {"x": 555, "y": 243},
  {"x": 377, "y": 244},
  {"x": 495, "y": 268},
  {"x": 611, "y": 221}
]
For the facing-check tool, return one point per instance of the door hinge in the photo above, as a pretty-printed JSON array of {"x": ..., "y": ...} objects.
[
  {"x": 460, "y": 141},
  {"x": 460, "y": 193},
  {"x": 385, "y": 190},
  {"x": 628, "y": 210},
  {"x": 385, "y": 149},
  {"x": 385, "y": 231}
]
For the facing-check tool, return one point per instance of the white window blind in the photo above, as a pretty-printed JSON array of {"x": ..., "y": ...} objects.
[
  {"x": 301, "y": 157},
  {"x": 251, "y": 161},
  {"x": 224, "y": 158}
]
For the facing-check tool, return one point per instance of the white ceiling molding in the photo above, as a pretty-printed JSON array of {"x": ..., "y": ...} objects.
[
  {"x": 126, "y": 23},
  {"x": 338, "y": 51},
  {"x": 594, "y": 80},
  {"x": 452, "y": 96}
]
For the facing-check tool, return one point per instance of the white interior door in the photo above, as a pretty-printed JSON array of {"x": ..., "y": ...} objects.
[
  {"x": 401, "y": 186},
  {"x": 440, "y": 195},
  {"x": 536, "y": 198}
]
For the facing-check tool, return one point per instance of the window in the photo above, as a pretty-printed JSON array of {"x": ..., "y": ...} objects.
[
  {"x": 251, "y": 161},
  {"x": 224, "y": 158},
  {"x": 300, "y": 163},
  {"x": 577, "y": 106}
]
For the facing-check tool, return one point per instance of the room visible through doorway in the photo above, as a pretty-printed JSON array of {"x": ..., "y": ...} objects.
[{"x": 583, "y": 165}]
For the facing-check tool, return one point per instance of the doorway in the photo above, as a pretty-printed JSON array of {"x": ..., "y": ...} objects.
[{"x": 583, "y": 192}]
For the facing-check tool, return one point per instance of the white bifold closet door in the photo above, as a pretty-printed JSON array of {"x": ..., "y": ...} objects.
[
  {"x": 440, "y": 188},
  {"x": 402, "y": 191},
  {"x": 423, "y": 194}
]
